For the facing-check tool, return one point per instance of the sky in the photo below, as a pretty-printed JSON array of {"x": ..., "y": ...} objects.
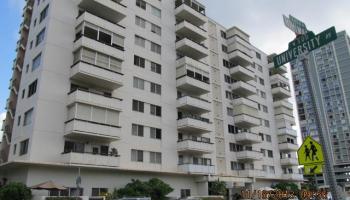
[{"x": 261, "y": 19}]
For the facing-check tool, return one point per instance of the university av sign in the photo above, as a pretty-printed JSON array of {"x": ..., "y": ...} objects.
[{"x": 304, "y": 44}]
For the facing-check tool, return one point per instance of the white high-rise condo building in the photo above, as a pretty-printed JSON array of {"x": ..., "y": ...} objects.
[{"x": 139, "y": 89}]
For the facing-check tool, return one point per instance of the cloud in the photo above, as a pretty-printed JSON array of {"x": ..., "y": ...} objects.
[{"x": 2, "y": 117}]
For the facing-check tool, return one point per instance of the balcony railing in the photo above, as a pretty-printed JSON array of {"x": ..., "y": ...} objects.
[
  {"x": 197, "y": 139},
  {"x": 179, "y": 22},
  {"x": 195, "y": 117},
  {"x": 192, "y": 5},
  {"x": 95, "y": 93},
  {"x": 103, "y": 18},
  {"x": 201, "y": 44}
]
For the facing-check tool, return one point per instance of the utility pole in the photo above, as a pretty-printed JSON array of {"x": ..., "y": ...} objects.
[{"x": 329, "y": 168}]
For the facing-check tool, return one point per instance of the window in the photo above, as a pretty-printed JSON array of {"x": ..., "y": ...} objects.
[
  {"x": 138, "y": 106},
  {"x": 185, "y": 193},
  {"x": 157, "y": 68},
  {"x": 262, "y": 136},
  {"x": 137, "y": 130},
  {"x": 96, "y": 192},
  {"x": 43, "y": 13},
  {"x": 156, "y": 29},
  {"x": 224, "y": 48},
  {"x": 156, "y": 48},
  {"x": 228, "y": 79},
  {"x": 272, "y": 169},
  {"x": 156, "y": 12},
  {"x": 269, "y": 153},
  {"x": 262, "y": 82},
  {"x": 136, "y": 155},
  {"x": 267, "y": 123},
  {"x": 155, "y": 157},
  {"x": 141, "y": 4},
  {"x": 263, "y": 94},
  {"x": 156, "y": 110},
  {"x": 32, "y": 88},
  {"x": 19, "y": 120},
  {"x": 140, "y": 41},
  {"x": 230, "y": 112},
  {"x": 223, "y": 34},
  {"x": 229, "y": 95},
  {"x": 139, "y": 83},
  {"x": 40, "y": 37},
  {"x": 28, "y": 117},
  {"x": 265, "y": 109},
  {"x": 140, "y": 22},
  {"x": 268, "y": 138},
  {"x": 14, "y": 149},
  {"x": 156, "y": 133},
  {"x": 260, "y": 68},
  {"x": 23, "y": 93},
  {"x": 24, "y": 147},
  {"x": 36, "y": 62},
  {"x": 258, "y": 55},
  {"x": 156, "y": 88},
  {"x": 138, "y": 61}
]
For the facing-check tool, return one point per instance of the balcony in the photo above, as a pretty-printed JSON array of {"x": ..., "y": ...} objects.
[
  {"x": 280, "y": 91},
  {"x": 95, "y": 99},
  {"x": 243, "y": 89},
  {"x": 283, "y": 104},
  {"x": 84, "y": 130},
  {"x": 192, "y": 86},
  {"x": 280, "y": 70},
  {"x": 191, "y": 62},
  {"x": 194, "y": 13},
  {"x": 285, "y": 146},
  {"x": 246, "y": 155},
  {"x": 289, "y": 162},
  {"x": 195, "y": 147},
  {"x": 276, "y": 78},
  {"x": 103, "y": 23},
  {"x": 107, "y": 49},
  {"x": 25, "y": 25},
  {"x": 73, "y": 158},
  {"x": 243, "y": 106},
  {"x": 240, "y": 58},
  {"x": 296, "y": 177},
  {"x": 193, "y": 105},
  {"x": 287, "y": 131},
  {"x": 253, "y": 173},
  {"x": 111, "y": 10},
  {"x": 196, "y": 169},
  {"x": 283, "y": 111},
  {"x": 186, "y": 29},
  {"x": 192, "y": 124},
  {"x": 247, "y": 138},
  {"x": 242, "y": 73},
  {"x": 285, "y": 117},
  {"x": 96, "y": 76},
  {"x": 246, "y": 121},
  {"x": 191, "y": 48}
]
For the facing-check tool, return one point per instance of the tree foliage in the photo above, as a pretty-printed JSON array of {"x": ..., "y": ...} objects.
[
  {"x": 217, "y": 188},
  {"x": 154, "y": 188},
  {"x": 15, "y": 191}
]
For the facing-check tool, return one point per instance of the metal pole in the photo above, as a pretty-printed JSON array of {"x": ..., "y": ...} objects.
[{"x": 329, "y": 169}]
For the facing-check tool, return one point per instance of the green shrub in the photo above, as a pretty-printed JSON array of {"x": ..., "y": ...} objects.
[
  {"x": 154, "y": 188},
  {"x": 15, "y": 191}
]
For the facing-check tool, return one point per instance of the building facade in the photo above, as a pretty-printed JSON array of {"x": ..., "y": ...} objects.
[
  {"x": 138, "y": 89},
  {"x": 328, "y": 72}
]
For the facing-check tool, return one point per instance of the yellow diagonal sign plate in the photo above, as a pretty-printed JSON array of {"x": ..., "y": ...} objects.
[
  {"x": 313, "y": 169},
  {"x": 310, "y": 152}
]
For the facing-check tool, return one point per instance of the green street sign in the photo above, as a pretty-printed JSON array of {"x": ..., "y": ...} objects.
[{"x": 303, "y": 44}]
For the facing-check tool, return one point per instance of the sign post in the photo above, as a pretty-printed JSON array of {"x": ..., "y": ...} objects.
[{"x": 305, "y": 42}]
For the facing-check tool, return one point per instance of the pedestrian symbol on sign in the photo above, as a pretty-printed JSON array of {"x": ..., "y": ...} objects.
[{"x": 310, "y": 152}]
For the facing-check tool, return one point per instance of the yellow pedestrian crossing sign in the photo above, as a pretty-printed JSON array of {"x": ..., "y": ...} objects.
[
  {"x": 313, "y": 169},
  {"x": 310, "y": 152}
]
